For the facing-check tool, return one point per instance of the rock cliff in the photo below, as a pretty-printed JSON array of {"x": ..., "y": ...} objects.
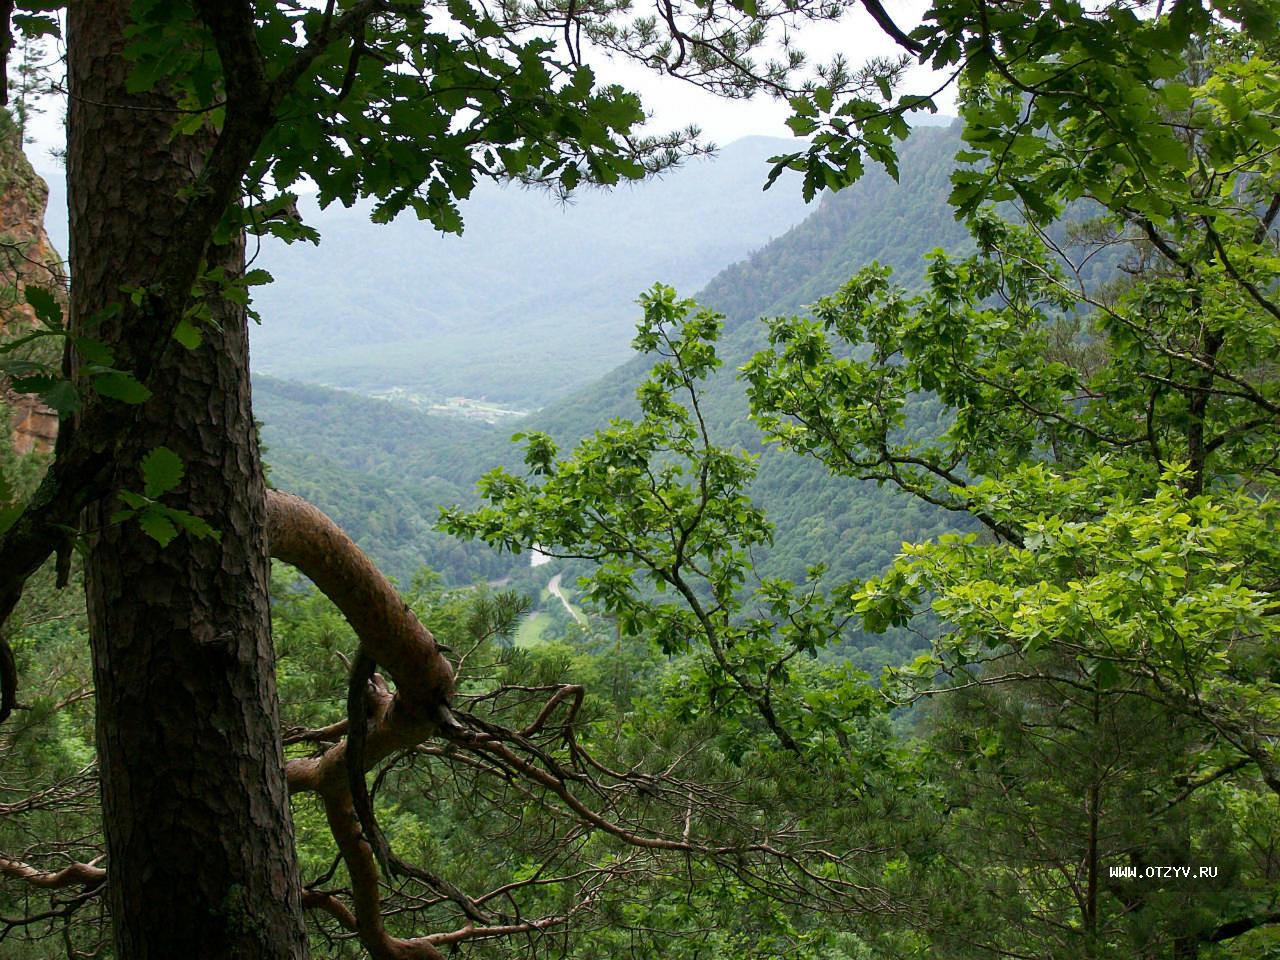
[{"x": 26, "y": 257}]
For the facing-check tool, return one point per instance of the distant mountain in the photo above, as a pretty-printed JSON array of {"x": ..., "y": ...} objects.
[{"x": 534, "y": 300}]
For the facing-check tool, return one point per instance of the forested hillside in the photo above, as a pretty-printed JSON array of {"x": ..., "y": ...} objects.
[
  {"x": 855, "y": 528},
  {"x": 381, "y": 470}
]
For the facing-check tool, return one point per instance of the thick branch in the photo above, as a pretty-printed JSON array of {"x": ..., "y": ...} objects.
[
  {"x": 66, "y": 489},
  {"x": 363, "y": 870},
  {"x": 390, "y": 634},
  {"x": 304, "y": 537},
  {"x": 885, "y": 22},
  {"x": 362, "y": 671},
  {"x": 78, "y": 874},
  {"x": 320, "y": 900}
]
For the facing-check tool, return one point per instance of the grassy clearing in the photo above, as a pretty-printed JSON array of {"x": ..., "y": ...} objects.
[{"x": 532, "y": 629}]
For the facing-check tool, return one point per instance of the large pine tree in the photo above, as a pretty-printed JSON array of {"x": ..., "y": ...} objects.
[{"x": 194, "y": 797}]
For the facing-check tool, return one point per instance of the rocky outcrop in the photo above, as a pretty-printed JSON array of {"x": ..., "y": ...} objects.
[
  {"x": 33, "y": 426},
  {"x": 26, "y": 257}
]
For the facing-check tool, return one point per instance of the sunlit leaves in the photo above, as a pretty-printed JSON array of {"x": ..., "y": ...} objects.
[
  {"x": 664, "y": 512},
  {"x": 1169, "y": 585}
]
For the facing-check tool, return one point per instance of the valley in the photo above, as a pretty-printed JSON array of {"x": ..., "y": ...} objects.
[
  {"x": 430, "y": 447},
  {"x": 534, "y": 300}
]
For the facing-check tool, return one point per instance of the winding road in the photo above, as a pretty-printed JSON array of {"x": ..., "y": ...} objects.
[{"x": 554, "y": 586}]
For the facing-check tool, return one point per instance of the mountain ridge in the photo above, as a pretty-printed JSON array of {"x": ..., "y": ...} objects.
[{"x": 395, "y": 306}]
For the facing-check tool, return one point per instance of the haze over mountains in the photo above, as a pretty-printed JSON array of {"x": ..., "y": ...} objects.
[{"x": 535, "y": 299}]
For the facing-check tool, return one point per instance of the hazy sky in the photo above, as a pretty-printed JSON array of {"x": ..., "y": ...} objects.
[{"x": 675, "y": 104}]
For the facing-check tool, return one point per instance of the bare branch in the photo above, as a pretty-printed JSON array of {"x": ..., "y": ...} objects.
[{"x": 77, "y": 874}]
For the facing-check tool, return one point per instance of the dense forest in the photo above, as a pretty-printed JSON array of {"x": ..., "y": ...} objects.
[{"x": 910, "y": 593}]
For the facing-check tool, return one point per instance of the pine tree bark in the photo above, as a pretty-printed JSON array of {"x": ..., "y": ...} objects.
[{"x": 195, "y": 804}]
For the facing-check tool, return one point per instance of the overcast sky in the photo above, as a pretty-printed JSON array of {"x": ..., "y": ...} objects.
[{"x": 675, "y": 105}]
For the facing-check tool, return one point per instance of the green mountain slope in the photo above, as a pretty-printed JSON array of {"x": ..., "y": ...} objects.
[
  {"x": 854, "y": 528},
  {"x": 381, "y": 471},
  {"x": 370, "y": 436}
]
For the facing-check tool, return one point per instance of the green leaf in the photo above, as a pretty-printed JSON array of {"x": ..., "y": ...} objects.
[
  {"x": 121, "y": 386},
  {"x": 196, "y": 526},
  {"x": 1177, "y": 95},
  {"x": 45, "y": 306},
  {"x": 94, "y": 351},
  {"x": 803, "y": 106},
  {"x": 54, "y": 391},
  {"x": 801, "y": 126},
  {"x": 62, "y": 397},
  {"x": 188, "y": 334},
  {"x": 135, "y": 500},
  {"x": 157, "y": 526},
  {"x": 161, "y": 471},
  {"x": 33, "y": 26},
  {"x": 1106, "y": 673}
]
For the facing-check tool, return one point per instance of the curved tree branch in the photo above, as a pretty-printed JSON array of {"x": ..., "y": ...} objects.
[
  {"x": 389, "y": 634},
  {"x": 86, "y": 875},
  {"x": 304, "y": 537}
]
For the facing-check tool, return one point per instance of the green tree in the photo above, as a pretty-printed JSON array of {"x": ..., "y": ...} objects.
[{"x": 1115, "y": 441}]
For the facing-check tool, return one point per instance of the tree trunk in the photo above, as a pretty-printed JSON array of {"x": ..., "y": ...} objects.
[{"x": 195, "y": 805}]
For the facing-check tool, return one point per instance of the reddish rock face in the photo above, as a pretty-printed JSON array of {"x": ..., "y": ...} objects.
[
  {"x": 26, "y": 257},
  {"x": 34, "y": 426}
]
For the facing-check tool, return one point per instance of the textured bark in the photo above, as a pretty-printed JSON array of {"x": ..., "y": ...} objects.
[{"x": 195, "y": 805}]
